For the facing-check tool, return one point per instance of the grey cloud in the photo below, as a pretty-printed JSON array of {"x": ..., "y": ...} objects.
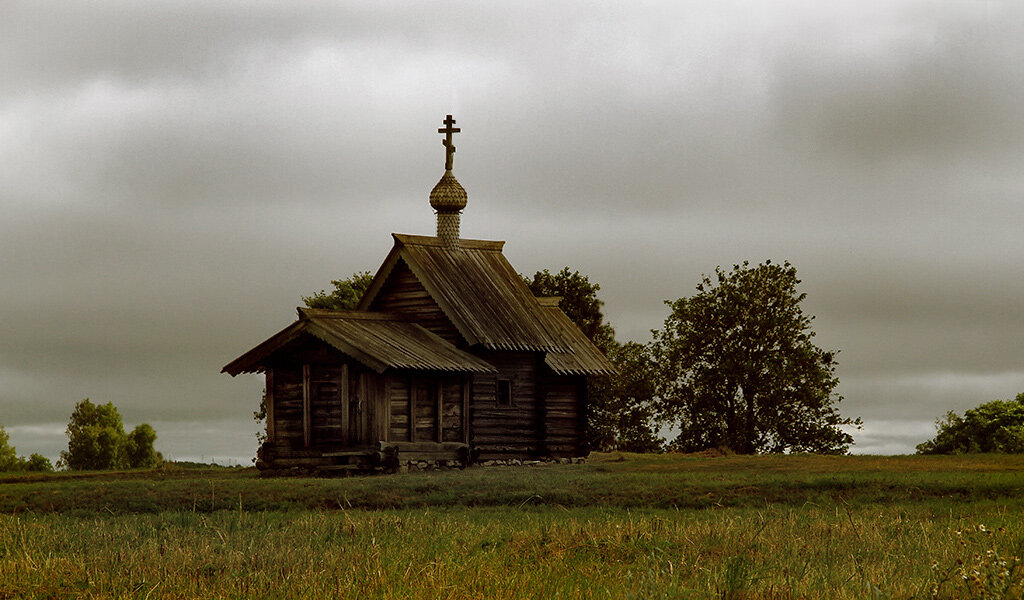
[
  {"x": 176, "y": 175},
  {"x": 941, "y": 88}
]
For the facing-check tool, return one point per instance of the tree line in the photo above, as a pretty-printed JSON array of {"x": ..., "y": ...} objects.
[{"x": 96, "y": 441}]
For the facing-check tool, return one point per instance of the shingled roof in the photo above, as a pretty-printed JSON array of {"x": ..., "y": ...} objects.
[
  {"x": 478, "y": 290},
  {"x": 584, "y": 357},
  {"x": 379, "y": 341}
]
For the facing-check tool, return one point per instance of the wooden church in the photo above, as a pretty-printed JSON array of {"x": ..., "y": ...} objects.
[{"x": 448, "y": 359}]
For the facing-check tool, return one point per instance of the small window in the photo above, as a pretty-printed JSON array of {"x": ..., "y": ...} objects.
[{"x": 504, "y": 392}]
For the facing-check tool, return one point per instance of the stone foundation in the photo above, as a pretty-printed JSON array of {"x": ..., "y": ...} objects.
[{"x": 406, "y": 466}]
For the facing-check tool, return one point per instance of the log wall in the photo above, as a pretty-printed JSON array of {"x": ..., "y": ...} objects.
[
  {"x": 424, "y": 401},
  {"x": 513, "y": 431},
  {"x": 451, "y": 410},
  {"x": 398, "y": 387},
  {"x": 565, "y": 416},
  {"x": 351, "y": 406},
  {"x": 428, "y": 401},
  {"x": 320, "y": 400},
  {"x": 403, "y": 294}
]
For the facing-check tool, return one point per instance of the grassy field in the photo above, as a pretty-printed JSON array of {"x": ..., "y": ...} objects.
[{"x": 621, "y": 526}]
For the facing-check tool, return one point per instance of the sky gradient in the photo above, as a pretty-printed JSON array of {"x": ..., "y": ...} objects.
[{"x": 174, "y": 176}]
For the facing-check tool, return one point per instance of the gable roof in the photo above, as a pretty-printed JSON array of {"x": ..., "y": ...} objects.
[
  {"x": 477, "y": 289},
  {"x": 584, "y": 357},
  {"x": 379, "y": 341}
]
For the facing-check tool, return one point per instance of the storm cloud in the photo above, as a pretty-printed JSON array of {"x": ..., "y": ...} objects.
[{"x": 176, "y": 175}]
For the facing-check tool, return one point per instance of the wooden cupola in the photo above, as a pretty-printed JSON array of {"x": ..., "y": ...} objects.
[{"x": 448, "y": 197}]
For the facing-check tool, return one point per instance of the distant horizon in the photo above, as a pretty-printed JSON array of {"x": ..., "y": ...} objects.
[{"x": 24, "y": 434}]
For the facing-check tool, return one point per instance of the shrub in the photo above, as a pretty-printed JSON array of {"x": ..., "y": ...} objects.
[
  {"x": 996, "y": 426},
  {"x": 97, "y": 441}
]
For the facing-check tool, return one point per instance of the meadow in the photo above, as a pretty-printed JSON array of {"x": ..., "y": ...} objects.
[{"x": 620, "y": 526}]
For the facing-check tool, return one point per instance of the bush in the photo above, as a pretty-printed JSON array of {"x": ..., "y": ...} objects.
[
  {"x": 10, "y": 461},
  {"x": 39, "y": 463},
  {"x": 996, "y": 426},
  {"x": 140, "y": 451},
  {"x": 97, "y": 441},
  {"x": 8, "y": 455}
]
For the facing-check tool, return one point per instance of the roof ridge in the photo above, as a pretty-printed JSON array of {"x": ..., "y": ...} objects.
[
  {"x": 407, "y": 239},
  {"x": 344, "y": 313}
]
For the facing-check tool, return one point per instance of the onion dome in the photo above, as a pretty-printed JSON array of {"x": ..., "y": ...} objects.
[{"x": 448, "y": 195}]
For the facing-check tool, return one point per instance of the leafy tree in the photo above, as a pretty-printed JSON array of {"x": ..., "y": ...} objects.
[
  {"x": 621, "y": 410},
  {"x": 39, "y": 463},
  {"x": 738, "y": 369},
  {"x": 8, "y": 454},
  {"x": 260, "y": 416},
  {"x": 10, "y": 461},
  {"x": 996, "y": 426},
  {"x": 97, "y": 441},
  {"x": 139, "y": 450},
  {"x": 346, "y": 293},
  {"x": 622, "y": 406}
]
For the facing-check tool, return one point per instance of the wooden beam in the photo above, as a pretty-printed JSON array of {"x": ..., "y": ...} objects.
[
  {"x": 306, "y": 425},
  {"x": 440, "y": 410},
  {"x": 412, "y": 410},
  {"x": 467, "y": 385},
  {"x": 383, "y": 415},
  {"x": 362, "y": 408},
  {"x": 583, "y": 414},
  {"x": 270, "y": 405},
  {"x": 344, "y": 404}
]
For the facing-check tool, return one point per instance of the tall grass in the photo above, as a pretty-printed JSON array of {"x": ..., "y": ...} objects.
[
  {"x": 623, "y": 526},
  {"x": 627, "y": 481},
  {"x": 529, "y": 552}
]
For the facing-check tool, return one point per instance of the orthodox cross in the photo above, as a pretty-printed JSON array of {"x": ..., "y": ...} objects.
[{"x": 448, "y": 130}]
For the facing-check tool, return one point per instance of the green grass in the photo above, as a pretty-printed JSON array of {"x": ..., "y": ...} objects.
[
  {"x": 618, "y": 480},
  {"x": 622, "y": 526}
]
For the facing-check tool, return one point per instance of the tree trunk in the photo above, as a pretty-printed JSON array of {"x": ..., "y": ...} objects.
[{"x": 748, "y": 437}]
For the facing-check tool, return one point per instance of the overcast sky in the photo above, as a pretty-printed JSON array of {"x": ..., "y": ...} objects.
[{"x": 174, "y": 176}]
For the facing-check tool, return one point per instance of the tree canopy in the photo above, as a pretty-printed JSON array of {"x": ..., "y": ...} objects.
[
  {"x": 97, "y": 441},
  {"x": 737, "y": 367},
  {"x": 578, "y": 300},
  {"x": 622, "y": 411},
  {"x": 345, "y": 295},
  {"x": 10, "y": 461},
  {"x": 996, "y": 426},
  {"x": 620, "y": 408},
  {"x": 8, "y": 454}
]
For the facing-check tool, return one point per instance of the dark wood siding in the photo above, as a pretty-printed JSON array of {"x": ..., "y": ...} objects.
[
  {"x": 564, "y": 422},
  {"x": 506, "y": 431},
  {"x": 425, "y": 402},
  {"x": 451, "y": 415},
  {"x": 398, "y": 386},
  {"x": 288, "y": 406},
  {"x": 403, "y": 294},
  {"x": 344, "y": 398},
  {"x": 327, "y": 406},
  {"x": 361, "y": 408}
]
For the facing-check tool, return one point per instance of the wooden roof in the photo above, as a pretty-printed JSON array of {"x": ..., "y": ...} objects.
[
  {"x": 478, "y": 290},
  {"x": 379, "y": 341},
  {"x": 584, "y": 357}
]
